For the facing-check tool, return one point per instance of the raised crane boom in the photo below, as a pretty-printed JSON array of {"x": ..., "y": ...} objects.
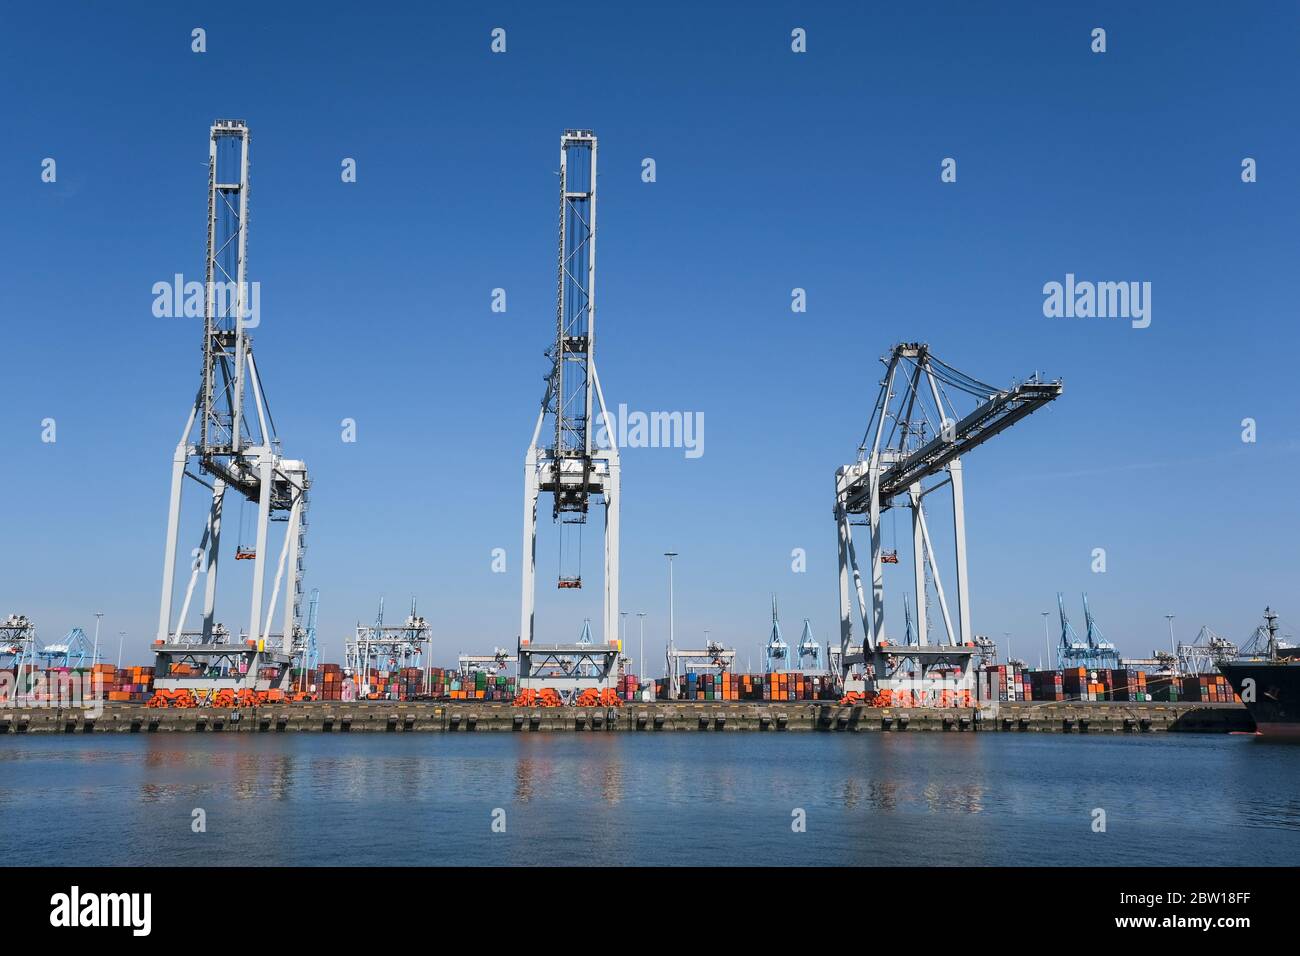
[{"x": 573, "y": 469}]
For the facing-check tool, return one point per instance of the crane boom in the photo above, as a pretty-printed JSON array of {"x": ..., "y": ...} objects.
[{"x": 996, "y": 414}]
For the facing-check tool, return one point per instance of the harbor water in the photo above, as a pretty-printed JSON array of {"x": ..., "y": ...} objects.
[{"x": 601, "y": 799}]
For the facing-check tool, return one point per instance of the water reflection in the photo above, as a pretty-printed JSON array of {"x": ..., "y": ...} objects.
[{"x": 653, "y": 798}]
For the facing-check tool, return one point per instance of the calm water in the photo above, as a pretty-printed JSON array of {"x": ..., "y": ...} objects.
[{"x": 653, "y": 799}]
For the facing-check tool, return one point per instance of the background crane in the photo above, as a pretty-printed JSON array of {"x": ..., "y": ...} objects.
[
  {"x": 776, "y": 652},
  {"x": 75, "y": 650},
  {"x": 810, "y": 652},
  {"x": 1103, "y": 651},
  {"x": 1092, "y": 651}
]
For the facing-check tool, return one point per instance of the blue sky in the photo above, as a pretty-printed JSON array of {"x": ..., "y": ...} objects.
[{"x": 775, "y": 171}]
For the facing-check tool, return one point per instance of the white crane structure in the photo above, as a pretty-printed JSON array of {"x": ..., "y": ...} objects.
[
  {"x": 912, "y": 448},
  {"x": 712, "y": 657},
  {"x": 492, "y": 664},
  {"x": 387, "y": 647},
  {"x": 570, "y": 465},
  {"x": 229, "y": 443},
  {"x": 18, "y": 648},
  {"x": 1204, "y": 654}
]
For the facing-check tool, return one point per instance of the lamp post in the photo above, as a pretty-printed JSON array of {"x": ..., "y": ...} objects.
[
  {"x": 1173, "y": 646},
  {"x": 94, "y": 657},
  {"x": 640, "y": 661},
  {"x": 672, "y": 677},
  {"x": 1047, "y": 635}
]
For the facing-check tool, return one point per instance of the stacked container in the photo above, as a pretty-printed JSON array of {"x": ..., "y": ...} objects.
[
  {"x": 1130, "y": 686},
  {"x": 1208, "y": 689},
  {"x": 1046, "y": 685}
]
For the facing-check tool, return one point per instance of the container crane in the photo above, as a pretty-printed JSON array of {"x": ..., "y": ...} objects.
[
  {"x": 492, "y": 664},
  {"x": 1092, "y": 651},
  {"x": 230, "y": 443},
  {"x": 572, "y": 468},
  {"x": 713, "y": 656},
  {"x": 73, "y": 651},
  {"x": 387, "y": 647},
  {"x": 18, "y": 648},
  {"x": 776, "y": 653},
  {"x": 1071, "y": 652},
  {"x": 914, "y": 446},
  {"x": 1103, "y": 651},
  {"x": 810, "y": 652}
]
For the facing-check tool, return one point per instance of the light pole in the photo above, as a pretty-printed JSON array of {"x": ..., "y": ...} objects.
[
  {"x": 121, "y": 639},
  {"x": 640, "y": 660},
  {"x": 94, "y": 657},
  {"x": 622, "y": 643},
  {"x": 1047, "y": 636},
  {"x": 672, "y": 678},
  {"x": 1007, "y": 635},
  {"x": 1173, "y": 647}
]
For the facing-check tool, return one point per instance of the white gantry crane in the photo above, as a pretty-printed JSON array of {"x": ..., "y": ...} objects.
[
  {"x": 382, "y": 648},
  {"x": 229, "y": 444},
  {"x": 1205, "y": 653},
  {"x": 18, "y": 650},
  {"x": 570, "y": 466},
  {"x": 491, "y": 664},
  {"x": 913, "y": 447},
  {"x": 712, "y": 657}
]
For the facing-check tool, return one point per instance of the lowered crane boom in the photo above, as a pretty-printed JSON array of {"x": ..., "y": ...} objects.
[
  {"x": 913, "y": 446},
  {"x": 1000, "y": 411}
]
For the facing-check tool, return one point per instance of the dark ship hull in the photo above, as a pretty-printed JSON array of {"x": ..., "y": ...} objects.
[{"x": 1270, "y": 689}]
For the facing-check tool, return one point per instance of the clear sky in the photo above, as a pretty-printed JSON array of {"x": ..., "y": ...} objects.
[{"x": 775, "y": 170}]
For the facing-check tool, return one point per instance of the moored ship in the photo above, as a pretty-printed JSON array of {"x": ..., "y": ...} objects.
[{"x": 1268, "y": 682}]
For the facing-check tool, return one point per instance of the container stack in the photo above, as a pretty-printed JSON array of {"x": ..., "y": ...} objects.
[
  {"x": 1046, "y": 686},
  {"x": 440, "y": 682},
  {"x": 1165, "y": 688},
  {"x": 1003, "y": 682},
  {"x": 1208, "y": 689},
  {"x": 1082, "y": 684},
  {"x": 782, "y": 686},
  {"x": 628, "y": 687},
  {"x": 329, "y": 682},
  {"x": 125, "y": 683},
  {"x": 1130, "y": 686},
  {"x": 481, "y": 686}
]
